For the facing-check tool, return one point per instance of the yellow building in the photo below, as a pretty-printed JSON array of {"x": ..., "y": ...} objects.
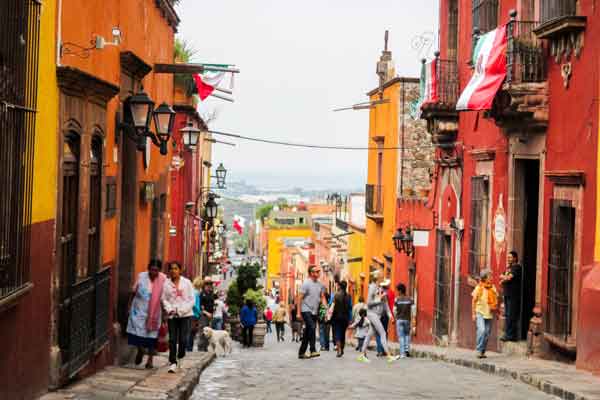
[{"x": 282, "y": 227}]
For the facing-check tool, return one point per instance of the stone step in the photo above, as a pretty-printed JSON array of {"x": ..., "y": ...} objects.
[{"x": 514, "y": 348}]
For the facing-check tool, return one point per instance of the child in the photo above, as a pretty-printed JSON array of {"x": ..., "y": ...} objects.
[
  {"x": 402, "y": 311},
  {"x": 361, "y": 324},
  {"x": 484, "y": 305}
]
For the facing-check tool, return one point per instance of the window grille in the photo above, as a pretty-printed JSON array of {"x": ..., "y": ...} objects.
[
  {"x": 479, "y": 229},
  {"x": 560, "y": 268},
  {"x": 111, "y": 196},
  {"x": 485, "y": 15},
  {"x": 554, "y": 9},
  {"x": 95, "y": 210},
  {"x": 442, "y": 285},
  {"x": 19, "y": 45},
  {"x": 452, "y": 30}
]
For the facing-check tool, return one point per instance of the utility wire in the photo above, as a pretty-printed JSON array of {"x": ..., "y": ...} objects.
[{"x": 310, "y": 146}]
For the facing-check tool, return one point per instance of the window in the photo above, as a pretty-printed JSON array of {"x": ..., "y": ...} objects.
[
  {"x": 111, "y": 196},
  {"x": 452, "y": 29},
  {"x": 285, "y": 221},
  {"x": 554, "y": 9},
  {"x": 560, "y": 268},
  {"x": 485, "y": 15},
  {"x": 19, "y": 33},
  {"x": 479, "y": 230}
]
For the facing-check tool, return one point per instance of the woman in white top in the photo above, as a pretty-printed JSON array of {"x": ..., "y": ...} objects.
[
  {"x": 178, "y": 302},
  {"x": 217, "y": 321}
]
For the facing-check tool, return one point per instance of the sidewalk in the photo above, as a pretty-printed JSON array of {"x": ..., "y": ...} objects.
[
  {"x": 131, "y": 382},
  {"x": 558, "y": 379}
]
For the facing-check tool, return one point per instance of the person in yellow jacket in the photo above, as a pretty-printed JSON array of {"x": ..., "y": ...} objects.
[
  {"x": 279, "y": 318},
  {"x": 484, "y": 305}
]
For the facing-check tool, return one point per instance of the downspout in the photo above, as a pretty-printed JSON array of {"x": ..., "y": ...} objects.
[{"x": 457, "y": 265}]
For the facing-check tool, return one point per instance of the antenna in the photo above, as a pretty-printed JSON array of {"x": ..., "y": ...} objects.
[{"x": 386, "y": 37}]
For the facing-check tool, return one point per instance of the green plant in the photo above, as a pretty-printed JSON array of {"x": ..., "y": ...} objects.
[
  {"x": 234, "y": 299},
  {"x": 183, "y": 53},
  {"x": 248, "y": 275},
  {"x": 257, "y": 298},
  {"x": 263, "y": 212}
]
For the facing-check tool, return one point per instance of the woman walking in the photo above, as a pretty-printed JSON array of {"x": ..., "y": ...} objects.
[
  {"x": 341, "y": 316},
  {"x": 178, "y": 301},
  {"x": 377, "y": 305},
  {"x": 145, "y": 312},
  {"x": 484, "y": 305},
  {"x": 296, "y": 324},
  {"x": 248, "y": 318},
  {"x": 279, "y": 318}
]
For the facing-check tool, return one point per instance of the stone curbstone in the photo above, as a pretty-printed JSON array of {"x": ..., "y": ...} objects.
[{"x": 186, "y": 386}]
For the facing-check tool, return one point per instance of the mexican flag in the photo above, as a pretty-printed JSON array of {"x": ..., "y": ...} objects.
[
  {"x": 206, "y": 83},
  {"x": 489, "y": 59},
  {"x": 238, "y": 224},
  {"x": 427, "y": 89}
]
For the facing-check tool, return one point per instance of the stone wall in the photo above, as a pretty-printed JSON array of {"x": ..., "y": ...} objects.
[{"x": 416, "y": 162}]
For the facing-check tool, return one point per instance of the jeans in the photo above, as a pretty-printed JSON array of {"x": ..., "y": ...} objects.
[
  {"x": 179, "y": 332},
  {"x": 324, "y": 335},
  {"x": 376, "y": 328},
  {"x": 359, "y": 343},
  {"x": 403, "y": 331},
  {"x": 385, "y": 320},
  {"x": 269, "y": 330},
  {"x": 309, "y": 335},
  {"x": 339, "y": 328},
  {"x": 484, "y": 328},
  {"x": 247, "y": 335},
  {"x": 192, "y": 335},
  {"x": 511, "y": 309},
  {"x": 217, "y": 324},
  {"x": 280, "y": 329}
]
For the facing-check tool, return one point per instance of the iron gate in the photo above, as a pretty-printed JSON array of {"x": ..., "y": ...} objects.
[{"x": 85, "y": 320}]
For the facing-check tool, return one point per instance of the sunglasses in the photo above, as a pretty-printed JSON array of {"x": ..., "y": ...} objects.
[{"x": 318, "y": 271}]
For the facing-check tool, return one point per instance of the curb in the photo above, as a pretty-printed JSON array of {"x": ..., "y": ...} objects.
[
  {"x": 190, "y": 380},
  {"x": 531, "y": 379}
]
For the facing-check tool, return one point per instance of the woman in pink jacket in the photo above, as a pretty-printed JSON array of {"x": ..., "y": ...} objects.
[{"x": 178, "y": 302}]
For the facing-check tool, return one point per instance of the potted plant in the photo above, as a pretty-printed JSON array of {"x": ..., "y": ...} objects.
[{"x": 234, "y": 301}]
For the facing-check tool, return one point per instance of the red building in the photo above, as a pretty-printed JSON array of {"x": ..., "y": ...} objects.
[
  {"x": 186, "y": 188},
  {"x": 520, "y": 176}
]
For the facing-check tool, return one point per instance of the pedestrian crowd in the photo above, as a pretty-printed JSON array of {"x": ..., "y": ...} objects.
[{"x": 171, "y": 305}]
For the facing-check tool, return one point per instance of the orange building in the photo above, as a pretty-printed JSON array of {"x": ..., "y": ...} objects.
[{"x": 113, "y": 191}]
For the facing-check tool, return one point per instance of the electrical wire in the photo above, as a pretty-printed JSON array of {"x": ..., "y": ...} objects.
[{"x": 309, "y": 146}]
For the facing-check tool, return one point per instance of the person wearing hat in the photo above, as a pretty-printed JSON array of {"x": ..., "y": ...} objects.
[
  {"x": 207, "y": 308},
  {"x": 385, "y": 320}
]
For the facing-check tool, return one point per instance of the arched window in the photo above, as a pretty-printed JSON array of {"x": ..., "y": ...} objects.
[
  {"x": 70, "y": 210},
  {"x": 95, "y": 209}
]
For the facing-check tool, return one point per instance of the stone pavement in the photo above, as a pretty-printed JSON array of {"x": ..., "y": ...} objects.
[
  {"x": 559, "y": 379},
  {"x": 131, "y": 382},
  {"x": 276, "y": 373}
]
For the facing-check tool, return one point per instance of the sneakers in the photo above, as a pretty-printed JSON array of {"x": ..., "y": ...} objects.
[
  {"x": 173, "y": 368},
  {"x": 391, "y": 359},
  {"x": 481, "y": 355},
  {"x": 315, "y": 354},
  {"x": 303, "y": 356},
  {"x": 363, "y": 359}
]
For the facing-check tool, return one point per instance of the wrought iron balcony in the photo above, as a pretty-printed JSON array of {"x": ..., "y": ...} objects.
[
  {"x": 440, "y": 112},
  {"x": 374, "y": 202},
  {"x": 523, "y": 99}
]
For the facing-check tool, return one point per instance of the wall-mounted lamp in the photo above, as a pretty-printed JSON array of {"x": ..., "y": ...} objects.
[
  {"x": 403, "y": 241},
  {"x": 190, "y": 135}
]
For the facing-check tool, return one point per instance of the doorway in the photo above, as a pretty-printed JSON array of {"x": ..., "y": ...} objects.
[
  {"x": 442, "y": 286},
  {"x": 525, "y": 233}
]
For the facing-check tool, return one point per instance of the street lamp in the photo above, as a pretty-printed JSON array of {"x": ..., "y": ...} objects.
[
  {"x": 221, "y": 174},
  {"x": 140, "y": 106},
  {"x": 403, "y": 241},
  {"x": 190, "y": 135},
  {"x": 211, "y": 207},
  {"x": 164, "y": 118}
]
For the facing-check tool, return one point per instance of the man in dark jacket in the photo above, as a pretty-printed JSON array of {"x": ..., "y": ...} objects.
[
  {"x": 511, "y": 281},
  {"x": 207, "y": 307}
]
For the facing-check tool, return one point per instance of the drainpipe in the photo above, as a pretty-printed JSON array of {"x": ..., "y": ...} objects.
[
  {"x": 456, "y": 297},
  {"x": 58, "y": 32}
]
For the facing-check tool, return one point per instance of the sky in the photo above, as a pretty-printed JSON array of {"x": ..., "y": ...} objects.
[{"x": 298, "y": 61}]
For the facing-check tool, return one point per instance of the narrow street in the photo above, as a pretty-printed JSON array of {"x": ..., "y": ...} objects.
[{"x": 274, "y": 372}]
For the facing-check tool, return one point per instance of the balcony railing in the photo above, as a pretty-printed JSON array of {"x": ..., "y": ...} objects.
[
  {"x": 525, "y": 54},
  {"x": 374, "y": 200},
  {"x": 446, "y": 82},
  {"x": 554, "y": 9}
]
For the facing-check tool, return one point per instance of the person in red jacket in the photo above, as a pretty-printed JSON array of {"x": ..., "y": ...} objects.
[{"x": 269, "y": 319}]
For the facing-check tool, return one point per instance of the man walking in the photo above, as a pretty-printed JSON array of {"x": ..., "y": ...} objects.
[
  {"x": 269, "y": 319},
  {"x": 312, "y": 294},
  {"x": 207, "y": 308},
  {"x": 511, "y": 287}
]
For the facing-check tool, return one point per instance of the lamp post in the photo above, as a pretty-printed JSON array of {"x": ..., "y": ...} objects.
[{"x": 164, "y": 118}]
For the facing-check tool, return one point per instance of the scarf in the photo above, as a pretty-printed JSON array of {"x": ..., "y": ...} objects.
[
  {"x": 153, "y": 322},
  {"x": 492, "y": 296}
]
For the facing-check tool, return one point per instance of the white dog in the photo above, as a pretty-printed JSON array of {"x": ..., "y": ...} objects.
[{"x": 219, "y": 339}]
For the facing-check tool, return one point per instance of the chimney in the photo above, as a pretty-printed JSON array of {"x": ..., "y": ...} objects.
[{"x": 385, "y": 65}]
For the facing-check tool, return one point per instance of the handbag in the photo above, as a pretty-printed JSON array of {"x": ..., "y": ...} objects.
[{"x": 163, "y": 338}]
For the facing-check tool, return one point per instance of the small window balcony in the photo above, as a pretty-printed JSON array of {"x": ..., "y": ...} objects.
[{"x": 559, "y": 17}]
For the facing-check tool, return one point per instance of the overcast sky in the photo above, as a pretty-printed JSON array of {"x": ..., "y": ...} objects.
[{"x": 298, "y": 61}]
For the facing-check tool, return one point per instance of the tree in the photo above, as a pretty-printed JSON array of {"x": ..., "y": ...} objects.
[
  {"x": 234, "y": 298},
  {"x": 263, "y": 212}
]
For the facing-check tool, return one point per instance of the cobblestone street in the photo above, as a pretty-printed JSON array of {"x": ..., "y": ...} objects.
[{"x": 275, "y": 372}]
